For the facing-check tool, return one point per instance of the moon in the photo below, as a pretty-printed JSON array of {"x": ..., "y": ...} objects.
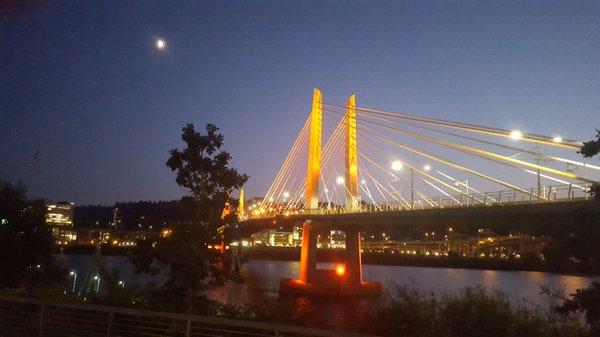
[{"x": 160, "y": 44}]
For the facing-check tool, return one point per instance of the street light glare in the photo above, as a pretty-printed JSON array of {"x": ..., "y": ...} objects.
[
  {"x": 557, "y": 139},
  {"x": 286, "y": 194},
  {"x": 427, "y": 167},
  {"x": 340, "y": 180},
  {"x": 516, "y": 134},
  {"x": 397, "y": 165}
]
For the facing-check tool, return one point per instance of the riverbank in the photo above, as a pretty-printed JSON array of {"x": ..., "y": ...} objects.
[
  {"x": 387, "y": 259},
  {"x": 384, "y": 259}
]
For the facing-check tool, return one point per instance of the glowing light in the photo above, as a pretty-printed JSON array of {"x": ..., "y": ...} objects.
[
  {"x": 160, "y": 44},
  {"x": 364, "y": 182},
  {"x": 340, "y": 180},
  {"x": 557, "y": 139},
  {"x": 397, "y": 165},
  {"x": 516, "y": 134},
  {"x": 286, "y": 194},
  {"x": 427, "y": 167},
  {"x": 340, "y": 270}
]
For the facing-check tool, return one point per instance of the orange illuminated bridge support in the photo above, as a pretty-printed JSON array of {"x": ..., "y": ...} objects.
[{"x": 346, "y": 278}]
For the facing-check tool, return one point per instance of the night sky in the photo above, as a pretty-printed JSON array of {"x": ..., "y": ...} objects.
[{"x": 83, "y": 82}]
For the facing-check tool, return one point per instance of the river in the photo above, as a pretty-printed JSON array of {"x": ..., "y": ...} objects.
[{"x": 262, "y": 279}]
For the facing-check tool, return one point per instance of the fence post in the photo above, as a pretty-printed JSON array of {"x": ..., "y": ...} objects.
[
  {"x": 188, "y": 328},
  {"x": 110, "y": 323},
  {"x": 42, "y": 313},
  {"x": 531, "y": 195}
]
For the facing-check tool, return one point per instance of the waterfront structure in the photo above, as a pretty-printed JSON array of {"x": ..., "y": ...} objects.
[{"x": 59, "y": 217}]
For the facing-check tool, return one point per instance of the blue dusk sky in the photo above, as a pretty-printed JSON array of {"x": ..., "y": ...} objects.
[{"x": 83, "y": 82}]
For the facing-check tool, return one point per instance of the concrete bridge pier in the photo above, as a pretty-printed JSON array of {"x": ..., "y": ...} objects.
[
  {"x": 308, "y": 254},
  {"x": 344, "y": 280},
  {"x": 353, "y": 267}
]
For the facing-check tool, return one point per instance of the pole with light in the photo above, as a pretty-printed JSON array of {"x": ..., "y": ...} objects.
[
  {"x": 73, "y": 274},
  {"x": 97, "y": 278}
]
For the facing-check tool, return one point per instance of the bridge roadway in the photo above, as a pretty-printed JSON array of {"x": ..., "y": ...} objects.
[{"x": 511, "y": 216}]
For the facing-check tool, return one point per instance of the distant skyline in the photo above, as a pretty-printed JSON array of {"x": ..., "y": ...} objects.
[{"x": 84, "y": 83}]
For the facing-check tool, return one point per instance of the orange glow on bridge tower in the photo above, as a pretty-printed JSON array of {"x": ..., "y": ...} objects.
[
  {"x": 308, "y": 255},
  {"x": 345, "y": 279}
]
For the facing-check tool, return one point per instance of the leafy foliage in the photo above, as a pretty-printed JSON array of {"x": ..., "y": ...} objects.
[
  {"x": 591, "y": 148},
  {"x": 586, "y": 300},
  {"x": 25, "y": 241},
  {"x": 472, "y": 313},
  {"x": 202, "y": 169},
  {"x": 588, "y": 150},
  {"x": 184, "y": 254}
]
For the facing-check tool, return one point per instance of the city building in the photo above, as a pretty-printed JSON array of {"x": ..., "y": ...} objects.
[
  {"x": 337, "y": 239},
  {"x": 59, "y": 217}
]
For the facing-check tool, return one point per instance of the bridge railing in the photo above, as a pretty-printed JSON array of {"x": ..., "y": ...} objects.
[
  {"x": 30, "y": 317},
  {"x": 471, "y": 199}
]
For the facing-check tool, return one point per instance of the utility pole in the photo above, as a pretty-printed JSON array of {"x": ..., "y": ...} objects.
[
  {"x": 537, "y": 161},
  {"x": 115, "y": 213},
  {"x": 412, "y": 188}
]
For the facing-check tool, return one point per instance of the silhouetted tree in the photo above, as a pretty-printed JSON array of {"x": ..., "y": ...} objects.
[
  {"x": 588, "y": 150},
  {"x": 25, "y": 241},
  {"x": 586, "y": 300},
  {"x": 184, "y": 253},
  {"x": 591, "y": 148}
]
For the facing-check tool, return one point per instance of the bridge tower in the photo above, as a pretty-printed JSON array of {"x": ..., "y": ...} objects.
[
  {"x": 308, "y": 255},
  {"x": 344, "y": 281},
  {"x": 353, "y": 258}
]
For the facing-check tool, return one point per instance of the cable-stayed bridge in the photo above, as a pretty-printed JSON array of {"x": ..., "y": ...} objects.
[{"x": 381, "y": 169}]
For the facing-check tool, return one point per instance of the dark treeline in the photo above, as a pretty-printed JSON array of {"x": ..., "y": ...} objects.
[{"x": 131, "y": 215}]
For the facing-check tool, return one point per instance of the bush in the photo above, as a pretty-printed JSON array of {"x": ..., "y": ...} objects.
[{"x": 472, "y": 313}]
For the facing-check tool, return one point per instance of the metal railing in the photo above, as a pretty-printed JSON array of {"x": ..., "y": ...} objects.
[
  {"x": 547, "y": 194},
  {"x": 29, "y": 317}
]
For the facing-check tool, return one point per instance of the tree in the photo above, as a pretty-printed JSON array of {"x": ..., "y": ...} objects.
[
  {"x": 184, "y": 254},
  {"x": 586, "y": 300},
  {"x": 588, "y": 150},
  {"x": 591, "y": 148},
  {"x": 26, "y": 244}
]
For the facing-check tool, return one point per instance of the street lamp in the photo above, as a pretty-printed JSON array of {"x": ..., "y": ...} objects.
[
  {"x": 516, "y": 134},
  {"x": 340, "y": 180},
  {"x": 286, "y": 194},
  {"x": 427, "y": 167},
  {"x": 397, "y": 165},
  {"x": 557, "y": 139},
  {"x": 97, "y": 278},
  {"x": 122, "y": 284},
  {"x": 73, "y": 274}
]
